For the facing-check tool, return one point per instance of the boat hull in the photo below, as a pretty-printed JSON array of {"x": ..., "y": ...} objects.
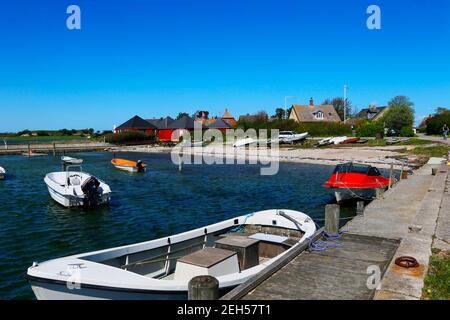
[
  {"x": 74, "y": 201},
  {"x": 45, "y": 290},
  {"x": 126, "y": 168},
  {"x": 345, "y": 194}
]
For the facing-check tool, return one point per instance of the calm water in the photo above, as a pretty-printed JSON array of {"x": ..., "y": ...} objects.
[{"x": 145, "y": 206}]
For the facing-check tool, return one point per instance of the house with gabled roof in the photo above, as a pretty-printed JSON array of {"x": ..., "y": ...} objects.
[
  {"x": 314, "y": 113},
  {"x": 219, "y": 124},
  {"x": 228, "y": 118},
  {"x": 136, "y": 123},
  {"x": 164, "y": 132}
]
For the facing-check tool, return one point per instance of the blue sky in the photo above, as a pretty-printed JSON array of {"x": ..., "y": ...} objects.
[{"x": 157, "y": 58}]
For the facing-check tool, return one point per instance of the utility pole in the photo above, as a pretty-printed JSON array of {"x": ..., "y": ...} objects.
[
  {"x": 345, "y": 102},
  {"x": 285, "y": 102}
]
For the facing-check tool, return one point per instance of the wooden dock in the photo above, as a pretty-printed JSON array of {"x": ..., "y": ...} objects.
[
  {"x": 335, "y": 273},
  {"x": 53, "y": 148}
]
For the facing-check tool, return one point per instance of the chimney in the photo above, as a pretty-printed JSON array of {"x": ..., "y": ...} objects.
[{"x": 311, "y": 102}]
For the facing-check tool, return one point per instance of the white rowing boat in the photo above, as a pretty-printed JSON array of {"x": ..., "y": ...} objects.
[
  {"x": 162, "y": 268},
  {"x": 76, "y": 188},
  {"x": 70, "y": 160}
]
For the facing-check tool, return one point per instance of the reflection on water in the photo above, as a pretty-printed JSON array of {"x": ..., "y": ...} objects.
[{"x": 160, "y": 202}]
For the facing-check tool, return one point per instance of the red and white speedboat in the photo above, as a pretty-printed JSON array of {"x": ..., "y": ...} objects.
[{"x": 356, "y": 181}]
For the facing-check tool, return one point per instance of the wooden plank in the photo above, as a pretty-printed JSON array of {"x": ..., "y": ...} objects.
[{"x": 337, "y": 273}]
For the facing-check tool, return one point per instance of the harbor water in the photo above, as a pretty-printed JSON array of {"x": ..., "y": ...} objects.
[{"x": 145, "y": 206}]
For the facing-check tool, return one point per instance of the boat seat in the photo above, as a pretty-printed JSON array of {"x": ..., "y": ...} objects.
[
  {"x": 208, "y": 261},
  {"x": 74, "y": 181}
]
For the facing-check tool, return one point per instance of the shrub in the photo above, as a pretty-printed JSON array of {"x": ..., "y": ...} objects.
[
  {"x": 370, "y": 129},
  {"x": 407, "y": 132},
  {"x": 325, "y": 129},
  {"x": 126, "y": 137},
  {"x": 435, "y": 124}
]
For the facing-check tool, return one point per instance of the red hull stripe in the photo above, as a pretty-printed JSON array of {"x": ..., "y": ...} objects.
[{"x": 356, "y": 180}]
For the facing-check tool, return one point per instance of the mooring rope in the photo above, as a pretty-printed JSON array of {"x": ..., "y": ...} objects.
[
  {"x": 330, "y": 242},
  {"x": 242, "y": 225}
]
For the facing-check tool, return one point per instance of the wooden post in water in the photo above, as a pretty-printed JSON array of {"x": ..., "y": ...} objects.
[
  {"x": 203, "y": 288},
  {"x": 391, "y": 172},
  {"x": 360, "y": 208},
  {"x": 379, "y": 193},
  {"x": 54, "y": 149},
  {"x": 332, "y": 212},
  {"x": 180, "y": 160}
]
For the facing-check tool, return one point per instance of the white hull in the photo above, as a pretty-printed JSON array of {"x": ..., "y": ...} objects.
[
  {"x": 149, "y": 270},
  {"x": 344, "y": 194},
  {"x": 293, "y": 138},
  {"x": 126, "y": 168},
  {"x": 70, "y": 160},
  {"x": 2, "y": 173}
]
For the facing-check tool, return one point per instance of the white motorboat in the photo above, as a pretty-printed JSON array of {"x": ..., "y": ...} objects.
[
  {"x": 70, "y": 160},
  {"x": 291, "y": 136},
  {"x": 2, "y": 173},
  {"x": 162, "y": 268},
  {"x": 76, "y": 188}
]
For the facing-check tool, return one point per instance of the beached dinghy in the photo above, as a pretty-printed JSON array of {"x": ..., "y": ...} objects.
[
  {"x": 233, "y": 251},
  {"x": 76, "y": 188},
  {"x": 70, "y": 160},
  {"x": 2, "y": 173},
  {"x": 356, "y": 181},
  {"x": 128, "y": 165}
]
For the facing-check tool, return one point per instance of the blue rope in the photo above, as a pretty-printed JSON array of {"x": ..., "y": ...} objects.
[
  {"x": 330, "y": 242},
  {"x": 241, "y": 226}
]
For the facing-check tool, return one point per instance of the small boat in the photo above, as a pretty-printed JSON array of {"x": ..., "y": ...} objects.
[
  {"x": 2, "y": 173},
  {"x": 356, "y": 181},
  {"x": 161, "y": 268},
  {"x": 70, "y": 160},
  {"x": 291, "y": 136},
  {"x": 350, "y": 140},
  {"x": 77, "y": 188},
  {"x": 324, "y": 142},
  {"x": 128, "y": 165},
  {"x": 332, "y": 140},
  {"x": 338, "y": 140}
]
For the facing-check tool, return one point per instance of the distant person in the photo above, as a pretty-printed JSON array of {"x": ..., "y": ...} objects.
[{"x": 445, "y": 131}]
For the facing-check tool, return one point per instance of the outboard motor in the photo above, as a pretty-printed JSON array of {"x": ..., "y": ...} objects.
[
  {"x": 91, "y": 193},
  {"x": 140, "y": 166}
]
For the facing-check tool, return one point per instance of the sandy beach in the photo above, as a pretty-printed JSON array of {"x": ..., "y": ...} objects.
[{"x": 381, "y": 157}]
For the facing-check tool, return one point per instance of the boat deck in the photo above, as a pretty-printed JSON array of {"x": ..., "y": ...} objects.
[{"x": 336, "y": 273}]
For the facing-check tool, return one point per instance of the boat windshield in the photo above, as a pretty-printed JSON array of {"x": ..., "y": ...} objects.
[{"x": 357, "y": 168}]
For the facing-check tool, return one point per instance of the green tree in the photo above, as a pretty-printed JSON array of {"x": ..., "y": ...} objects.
[
  {"x": 280, "y": 113},
  {"x": 400, "y": 113},
  {"x": 182, "y": 114},
  {"x": 338, "y": 104}
]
